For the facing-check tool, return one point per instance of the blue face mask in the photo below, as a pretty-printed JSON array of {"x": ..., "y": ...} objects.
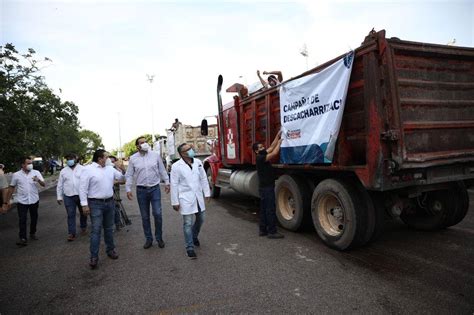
[
  {"x": 191, "y": 153},
  {"x": 70, "y": 163}
]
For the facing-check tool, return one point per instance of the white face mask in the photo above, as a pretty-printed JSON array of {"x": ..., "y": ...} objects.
[
  {"x": 144, "y": 146},
  {"x": 108, "y": 162},
  {"x": 29, "y": 167}
]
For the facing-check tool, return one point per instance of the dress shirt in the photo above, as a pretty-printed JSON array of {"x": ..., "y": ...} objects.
[
  {"x": 97, "y": 182},
  {"x": 26, "y": 189},
  {"x": 69, "y": 180},
  {"x": 148, "y": 170}
]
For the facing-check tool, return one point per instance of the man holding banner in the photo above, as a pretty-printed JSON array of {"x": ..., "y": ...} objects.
[{"x": 266, "y": 183}]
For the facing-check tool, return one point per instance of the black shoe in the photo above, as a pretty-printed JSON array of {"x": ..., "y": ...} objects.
[
  {"x": 191, "y": 254},
  {"x": 161, "y": 244},
  {"x": 22, "y": 242},
  {"x": 275, "y": 235},
  {"x": 33, "y": 237},
  {"x": 262, "y": 233},
  {"x": 93, "y": 263},
  {"x": 112, "y": 254},
  {"x": 196, "y": 242},
  {"x": 148, "y": 244}
]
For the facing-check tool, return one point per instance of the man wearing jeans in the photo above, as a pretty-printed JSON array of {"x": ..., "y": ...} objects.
[
  {"x": 266, "y": 185},
  {"x": 68, "y": 190},
  {"x": 146, "y": 166},
  {"x": 27, "y": 195},
  {"x": 96, "y": 194},
  {"x": 189, "y": 186}
]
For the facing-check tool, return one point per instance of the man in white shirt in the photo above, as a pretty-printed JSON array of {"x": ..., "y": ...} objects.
[
  {"x": 148, "y": 169},
  {"x": 27, "y": 196},
  {"x": 68, "y": 190},
  {"x": 96, "y": 195},
  {"x": 189, "y": 186}
]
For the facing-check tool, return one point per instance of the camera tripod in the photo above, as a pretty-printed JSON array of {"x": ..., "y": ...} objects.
[{"x": 120, "y": 210}]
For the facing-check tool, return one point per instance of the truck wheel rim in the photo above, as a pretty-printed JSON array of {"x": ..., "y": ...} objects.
[
  {"x": 286, "y": 203},
  {"x": 331, "y": 215}
]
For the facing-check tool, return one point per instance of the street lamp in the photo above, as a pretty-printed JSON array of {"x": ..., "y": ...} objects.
[
  {"x": 304, "y": 53},
  {"x": 150, "y": 78}
]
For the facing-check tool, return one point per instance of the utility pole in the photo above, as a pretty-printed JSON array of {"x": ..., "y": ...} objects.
[
  {"x": 120, "y": 155},
  {"x": 150, "y": 78}
]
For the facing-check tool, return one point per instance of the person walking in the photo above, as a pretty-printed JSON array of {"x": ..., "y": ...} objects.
[
  {"x": 266, "y": 183},
  {"x": 146, "y": 167},
  {"x": 189, "y": 187},
  {"x": 3, "y": 190},
  {"x": 25, "y": 181},
  {"x": 96, "y": 195},
  {"x": 68, "y": 190}
]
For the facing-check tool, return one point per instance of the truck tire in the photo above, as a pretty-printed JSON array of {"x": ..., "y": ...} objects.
[
  {"x": 292, "y": 202},
  {"x": 432, "y": 210},
  {"x": 340, "y": 214},
  {"x": 215, "y": 191},
  {"x": 461, "y": 205}
]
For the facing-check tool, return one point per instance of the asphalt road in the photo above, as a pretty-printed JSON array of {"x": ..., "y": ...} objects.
[{"x": 236, "y": 271}]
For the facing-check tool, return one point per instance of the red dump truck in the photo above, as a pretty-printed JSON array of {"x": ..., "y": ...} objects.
[{"x": 405, "y": 147}]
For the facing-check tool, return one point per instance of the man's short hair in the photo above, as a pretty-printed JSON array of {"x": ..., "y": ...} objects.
[
  {"x": 98, "y": 154},
  {"x": 272, "y": 77},
  {"x": 255, "y": 146},
  {"x": 113, "y": 157},
  {"x": 71, "y": 156},
  {"x": 136, "y": 141},
  {"x": 180, "y": 147},
  {"x": 23, "y": 159}
]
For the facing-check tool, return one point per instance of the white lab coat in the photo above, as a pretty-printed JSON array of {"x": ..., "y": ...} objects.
[{"x": 189, "y": 186}]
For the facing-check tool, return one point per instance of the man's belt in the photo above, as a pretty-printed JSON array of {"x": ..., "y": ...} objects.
[{"x": 101, "y": 199}]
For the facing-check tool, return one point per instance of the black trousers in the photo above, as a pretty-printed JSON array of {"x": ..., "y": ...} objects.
[
  {"x": 23, "y": 216},
  {"x": 267, "y": 213}
]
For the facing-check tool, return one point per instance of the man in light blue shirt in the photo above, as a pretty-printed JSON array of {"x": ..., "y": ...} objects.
[{"x": 146, "y": 166}]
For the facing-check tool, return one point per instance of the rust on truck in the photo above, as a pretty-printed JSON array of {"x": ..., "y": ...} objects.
[{"x": 408, "y": 119}]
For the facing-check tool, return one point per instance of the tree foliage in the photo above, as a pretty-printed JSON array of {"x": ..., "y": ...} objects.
[{"x": 33, "y": 120}]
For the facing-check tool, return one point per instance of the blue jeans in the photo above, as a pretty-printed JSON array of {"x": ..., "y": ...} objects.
[
  {"x": 71, "y": 203},
  {"x": 191, "y": 231},
  {"x": 102, "y": 215},
  {"x": 267, "y": 212},
  {"x": 145, "y": 197}
]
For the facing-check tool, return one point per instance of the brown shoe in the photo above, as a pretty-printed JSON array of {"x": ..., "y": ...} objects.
[
  {"x": 112, "y": 254},
  {"x": 93, "y": 263},
  {"x": 71, "y": 237},
  {"x": 83, "y": 231}
]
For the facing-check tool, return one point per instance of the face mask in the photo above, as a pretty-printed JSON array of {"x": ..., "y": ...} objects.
[
  {"x": 108, "y": 162},
  {"x": 71, "y": 163},
  {"x": 191, "y": 153},
  {"x": 144, "y": 146},
  {"x": 29, "y": 167}
]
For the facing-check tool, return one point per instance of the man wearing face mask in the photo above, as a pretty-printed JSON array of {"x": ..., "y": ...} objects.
[
  {"x": 189, "y": 187},
  {"x": 68, "y": 190},
  {"x": 146, "y": 166},
  {"x": 96, "y": 195},
  {"x": 266, "y": 183},
  {"x": 27, "y": 195}
]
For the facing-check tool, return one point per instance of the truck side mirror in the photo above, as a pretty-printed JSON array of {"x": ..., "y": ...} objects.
[{"x": 204, "y": 128}]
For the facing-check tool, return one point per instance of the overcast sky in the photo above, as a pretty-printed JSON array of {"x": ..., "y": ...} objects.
[{"x": 102, "y": 50}]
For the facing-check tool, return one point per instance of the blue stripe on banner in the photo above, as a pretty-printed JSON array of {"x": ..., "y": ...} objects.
[{"x": 305, "y": 154}]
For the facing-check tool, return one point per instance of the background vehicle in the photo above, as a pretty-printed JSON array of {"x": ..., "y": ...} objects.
[{"x": 405, "y": 147}]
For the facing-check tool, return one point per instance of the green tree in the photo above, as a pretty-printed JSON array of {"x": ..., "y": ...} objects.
[
  {"x": 90, "y": 141},
  {"x": 33, "y": 120}
]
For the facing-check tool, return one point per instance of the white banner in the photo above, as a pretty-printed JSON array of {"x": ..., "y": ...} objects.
[
  {"x": 170, "y": 143},
  {"x": 311, "y": 111}
]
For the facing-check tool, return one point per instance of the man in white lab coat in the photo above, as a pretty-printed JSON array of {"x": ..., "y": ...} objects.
[{"x": 189, "y": 187}]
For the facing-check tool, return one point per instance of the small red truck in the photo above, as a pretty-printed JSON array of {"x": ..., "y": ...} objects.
[{"x": 405, "y": 147}]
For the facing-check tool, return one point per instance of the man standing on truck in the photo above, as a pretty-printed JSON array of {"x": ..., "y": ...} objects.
[
  {"x": 272, "y": 80},
  {"x": 266, "y": 183}
]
